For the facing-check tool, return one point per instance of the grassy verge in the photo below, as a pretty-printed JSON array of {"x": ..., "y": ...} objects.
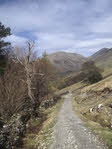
[
  {"x": 39, "y": 133},
  {"x": 104, "y": 133}
]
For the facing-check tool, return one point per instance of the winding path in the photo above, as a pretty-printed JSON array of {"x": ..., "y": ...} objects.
[{"x": 70, "y": 132}]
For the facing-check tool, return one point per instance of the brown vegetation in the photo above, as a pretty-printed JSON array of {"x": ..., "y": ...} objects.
[{"x": 25, "y": 83}]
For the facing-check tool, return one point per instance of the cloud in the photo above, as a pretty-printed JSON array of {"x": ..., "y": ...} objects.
[
  {"x": 105, "y": 25},
  {"x": 59, "y": 25},
  {"x": 62, "y": 42},
  {"x": 16, "y": 40}
]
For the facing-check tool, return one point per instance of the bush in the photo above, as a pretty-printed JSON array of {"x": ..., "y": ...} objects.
[
  {"x": 94, "y": 76},
  {"x": 91, "y": 73},
  {"x": 12, "y": 90}
]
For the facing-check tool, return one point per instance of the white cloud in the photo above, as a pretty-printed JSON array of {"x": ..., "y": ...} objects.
[
  {"x": 60, "y": 24},
  {"x": 16, "y": 40},
  {"x": 55, "y": 41},
  {"x": 62, "y": 42},
  {"x": 93, "y": 43}
]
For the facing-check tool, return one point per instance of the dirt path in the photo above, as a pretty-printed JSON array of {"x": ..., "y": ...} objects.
[{"x": 70, "y": 132}]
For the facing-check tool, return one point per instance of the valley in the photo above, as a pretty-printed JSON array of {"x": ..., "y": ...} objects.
[
  {"x": 55, "y": 74},
  {"x": 78, "y": 114}
]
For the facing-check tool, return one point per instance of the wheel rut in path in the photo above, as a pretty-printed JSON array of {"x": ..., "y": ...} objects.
[{"x": 70, "y": 132}]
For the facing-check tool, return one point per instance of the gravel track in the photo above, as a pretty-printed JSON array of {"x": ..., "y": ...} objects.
[{"x": 70, "y": 132}]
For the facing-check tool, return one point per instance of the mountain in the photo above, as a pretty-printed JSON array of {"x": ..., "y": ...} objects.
[
  {"x": 103, "y": 53},
  {"x": 66, "y": 63},
  {"x": 103, "y": 59}
]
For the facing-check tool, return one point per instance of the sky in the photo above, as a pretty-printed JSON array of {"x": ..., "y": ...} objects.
[{"x": 77, "y": 26}]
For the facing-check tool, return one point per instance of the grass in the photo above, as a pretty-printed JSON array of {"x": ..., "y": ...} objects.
[
  {"x": 72, "y": 87},
  {"x": 105, "y": 62},
  {"x": 39, "y": 134},
  {"x": 104, "y": 133},
  {"x": 100, "y": 86},
  {"x": 98, "y": 122}
]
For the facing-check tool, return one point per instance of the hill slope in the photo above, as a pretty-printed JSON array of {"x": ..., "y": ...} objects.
[
  {"x": 94, "y": 105},
  {"x": 67, "y": 63},
  {"x": 100, "y": 53},
  {"x": 103, "y": 59}
]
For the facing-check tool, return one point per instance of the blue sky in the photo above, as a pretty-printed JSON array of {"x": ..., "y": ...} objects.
[{"x": 80, "y": 26}]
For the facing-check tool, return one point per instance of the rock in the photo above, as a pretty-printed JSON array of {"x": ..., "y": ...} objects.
[
  {"x": 48, "y": 103},
  {"x": 91, "y": 110},
  {"x": 100, "y": 106},
  {"x": 11, "y": 135},
  {"x": 83, "y": 113}
]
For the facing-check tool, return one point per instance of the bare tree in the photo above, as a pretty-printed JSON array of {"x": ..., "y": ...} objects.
[
  {"x": 26, "y": 81},
  {"x": 26, "y": 57},
  {"x": 35, "y": 77}
]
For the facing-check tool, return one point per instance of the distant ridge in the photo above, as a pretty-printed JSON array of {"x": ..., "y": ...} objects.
[
  {"x": 67, "y": 63},
  {"x": 103, "y": 59},
  {"x": 100, "y": 53}
]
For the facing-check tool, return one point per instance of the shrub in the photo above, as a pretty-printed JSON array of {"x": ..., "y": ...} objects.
[
  {"x": 12, "y": 90},
  {"x": 91, "y": 73},
  {"x": 94, "y": 76}
]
